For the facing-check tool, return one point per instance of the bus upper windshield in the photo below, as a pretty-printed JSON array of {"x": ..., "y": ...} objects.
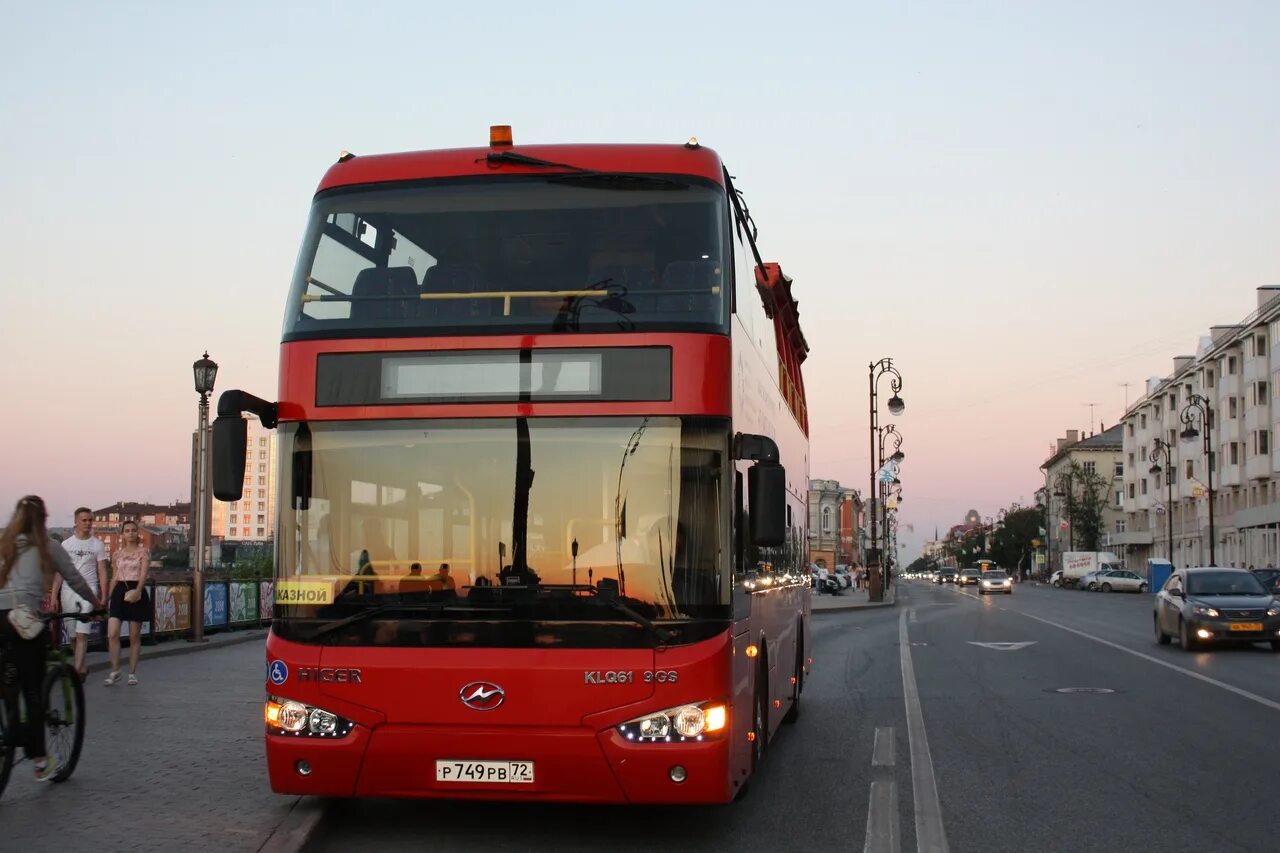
[
  {"x": 530, "y": 254},
  {"x": 519, "y": 531}
]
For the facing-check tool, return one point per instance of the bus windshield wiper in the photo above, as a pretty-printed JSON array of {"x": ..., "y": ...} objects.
[
  {"x": 663, "y": 635},
  {"x": 588, "y": 178},
  {"x": 366, "y": 614}
]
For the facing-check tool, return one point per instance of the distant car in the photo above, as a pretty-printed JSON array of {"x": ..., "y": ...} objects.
[
  {"x": 968, "y": 576},
  {"x": 1055, "y": 579},
  {"x": 1121, "y": 580},
  {"x": 945, "y": 575},
  {"x": 1200, "y": 606},
  {"x": 995, "y": 581}
]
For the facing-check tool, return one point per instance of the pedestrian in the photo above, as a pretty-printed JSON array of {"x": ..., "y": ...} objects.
[
  {"x": 29, "y": 560},
  {"x": 129, "y": 600},
  {"x": 89, "y": 556}
]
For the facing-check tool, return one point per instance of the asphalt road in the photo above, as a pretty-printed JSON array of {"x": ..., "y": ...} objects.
[{"x": 1179, "y": 755}]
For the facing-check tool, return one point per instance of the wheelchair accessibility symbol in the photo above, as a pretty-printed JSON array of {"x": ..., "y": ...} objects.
[{"x": 278, "y": 672}]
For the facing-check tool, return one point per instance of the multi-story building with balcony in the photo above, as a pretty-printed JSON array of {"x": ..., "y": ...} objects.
[
  {"x": 252, "y": 518},
  {"x": 1236, "y": 369},
  {"x": 1100, "y": 454},
  {"x": 835, "y": 519}
]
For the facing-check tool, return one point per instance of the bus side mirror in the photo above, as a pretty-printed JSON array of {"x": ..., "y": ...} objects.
[
  {"x": 767, "y": 502},
  {"x": 230, "y": 441}
]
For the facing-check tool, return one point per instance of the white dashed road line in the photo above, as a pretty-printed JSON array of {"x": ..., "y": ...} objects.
[{"x": 930, "y": 835}]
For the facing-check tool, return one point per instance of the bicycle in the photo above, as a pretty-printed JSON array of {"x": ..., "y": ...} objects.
[{"x": 64, "y": 714}]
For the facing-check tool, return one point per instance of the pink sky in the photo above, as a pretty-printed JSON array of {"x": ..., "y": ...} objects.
[{"x": 1023, "y": 210}]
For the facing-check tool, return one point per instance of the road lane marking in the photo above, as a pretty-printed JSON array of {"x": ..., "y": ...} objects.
[
  {"x": 930, "y": 836},
  {"x": 1004, "y": 647},
  {"x": 882, "y": 819},
  {"x": 882, "y": 750},
  {"x": 1230, "y": 688},
  {"x": 914, "y": 616}
]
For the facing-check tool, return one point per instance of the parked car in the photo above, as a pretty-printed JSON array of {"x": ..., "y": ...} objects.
[
  {"x": 1121, "y": 580},
  {"x": 1090, "y": 580},
  {"x": 1211, "y": 605},
  {"x": 995, "y": 581},
  {"x": 945, "y": 575},
  {"x": 967, "y": 577}
]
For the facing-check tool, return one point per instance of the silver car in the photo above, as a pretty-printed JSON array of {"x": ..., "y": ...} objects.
[{"x": 1120, "y": 580}]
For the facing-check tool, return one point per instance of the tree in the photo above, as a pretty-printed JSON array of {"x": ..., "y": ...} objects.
[
  {"x": 1086, "y": 498},
  {"x": 1014, "y": 540}
]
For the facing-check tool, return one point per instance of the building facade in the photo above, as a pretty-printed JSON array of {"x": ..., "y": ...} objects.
[
  {"x": 1101, "y": 453},
  {"x": 1236, "y": 369},
  {"x": 161, "y": 527},
  {"x": 252, "y": 518},
  {"x": 835, "y": 521}
]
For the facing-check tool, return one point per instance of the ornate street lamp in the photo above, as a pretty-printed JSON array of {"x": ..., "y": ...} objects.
[
  {"x": 1197, "y": 411},
  {"x": 204, "y": 371},
  {"x": 1161, "y": 451},
  {"x": 896, "y": 406}
]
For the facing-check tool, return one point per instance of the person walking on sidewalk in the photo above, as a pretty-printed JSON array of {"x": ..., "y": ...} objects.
[
  {"x": 90, "y": 558},
  {"x": 29, "y": 560},
  {"x": 129, "y": 600}
]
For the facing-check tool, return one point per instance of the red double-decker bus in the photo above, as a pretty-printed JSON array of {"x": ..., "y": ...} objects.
[{"x": 543, "y": 465}]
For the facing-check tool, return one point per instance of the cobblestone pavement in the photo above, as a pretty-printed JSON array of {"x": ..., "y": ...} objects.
[{"x": 175, "y": 763}]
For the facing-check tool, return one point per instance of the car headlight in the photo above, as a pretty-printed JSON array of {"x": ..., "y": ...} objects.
[
  {"x": 1202, "y": 610},
  {"x": 695, "y": 721},
  {"x": 1274, "y": 610},
  {"x": 291, "y": 717}
]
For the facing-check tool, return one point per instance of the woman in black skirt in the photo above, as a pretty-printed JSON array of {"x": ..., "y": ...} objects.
[{"x": 129, "y": 600}]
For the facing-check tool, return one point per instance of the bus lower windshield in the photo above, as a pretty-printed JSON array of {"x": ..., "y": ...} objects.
[
  {"x": 516, "y": 531},
  {"x": 560, "y": 253}
]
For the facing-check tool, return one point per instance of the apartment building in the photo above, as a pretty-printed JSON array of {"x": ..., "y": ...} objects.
[
  {"x": 252, "y": 518},
  {"x": 1236, "y": 369},
  {"x": 835, "y": 518},
  {"x": 1099, "y": 453}
]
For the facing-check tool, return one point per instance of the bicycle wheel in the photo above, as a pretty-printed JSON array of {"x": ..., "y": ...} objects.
[
  {"x": 63, "y": 718},
  {"x": 8, "y": 737}
]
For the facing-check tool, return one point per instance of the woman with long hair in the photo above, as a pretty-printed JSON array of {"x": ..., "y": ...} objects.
[
  {"x": 129, "y": 600},
  {"x": 28, "y": 560}
]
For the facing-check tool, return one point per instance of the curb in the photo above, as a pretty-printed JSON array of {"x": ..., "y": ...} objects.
[
  {"x": 846, "y": 608},
  {"x": 295, "y": 831},
  {"x": 180, "y": 647}
]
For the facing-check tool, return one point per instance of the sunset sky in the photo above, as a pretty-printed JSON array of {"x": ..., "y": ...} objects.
[{"x": 1025, "y": 205}]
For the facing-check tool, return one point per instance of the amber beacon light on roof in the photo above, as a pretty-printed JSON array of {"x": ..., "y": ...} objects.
[{"x": 500, "y": 136}]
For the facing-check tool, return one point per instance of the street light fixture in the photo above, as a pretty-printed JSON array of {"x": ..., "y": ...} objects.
[
  {"x": 896, "y": 406},
  {"x": 204, "y": 371},
  {"x": 1196, "y": 411},
  {"x": 1161, "y": 451}
]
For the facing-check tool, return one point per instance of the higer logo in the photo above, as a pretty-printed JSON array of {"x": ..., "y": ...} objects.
[{"x": 482, "y": 695}]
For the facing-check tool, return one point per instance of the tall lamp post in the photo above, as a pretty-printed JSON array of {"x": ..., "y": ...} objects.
[
  {"x": 1161, "y": 452},
  {"x": 876, "y": 370},
  {"x": 1197, "y": 411},
  {"x": 205, "y": 371},
  {"x": 897, "y": 456}
]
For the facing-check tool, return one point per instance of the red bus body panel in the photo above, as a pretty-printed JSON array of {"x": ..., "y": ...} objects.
[{"x": 406, "y": 704}]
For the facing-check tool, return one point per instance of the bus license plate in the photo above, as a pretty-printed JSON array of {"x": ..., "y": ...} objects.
[
  {"x": 484, "y": 772},
  {"x": 1245, "y": 626}
]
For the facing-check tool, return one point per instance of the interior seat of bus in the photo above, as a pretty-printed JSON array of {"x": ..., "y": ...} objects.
[{"x": 380, "y": 283}]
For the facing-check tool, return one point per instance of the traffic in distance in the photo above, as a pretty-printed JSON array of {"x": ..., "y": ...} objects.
[
  {"x": 543, "y": 445},
  {"x": 1199, "y": 607}
]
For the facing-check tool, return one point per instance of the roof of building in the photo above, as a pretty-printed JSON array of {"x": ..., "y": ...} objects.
[
  {"x": 135, "y": 508},
  {"x": 1108, "y": 439}
]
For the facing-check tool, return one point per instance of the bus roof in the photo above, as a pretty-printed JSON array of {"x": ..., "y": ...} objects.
[{"x": 461, "y": 162}]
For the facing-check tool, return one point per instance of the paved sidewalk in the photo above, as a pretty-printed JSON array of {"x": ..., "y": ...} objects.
[
  {"x": 852, "y": 599},
  {"x": 101, "y": 661},
  {"x": 175, "y": 763}
]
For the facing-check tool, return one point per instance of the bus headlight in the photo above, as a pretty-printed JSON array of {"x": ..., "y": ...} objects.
[
  {"x": 291, "y": 717},
  {"x": 693, "y": 722}
]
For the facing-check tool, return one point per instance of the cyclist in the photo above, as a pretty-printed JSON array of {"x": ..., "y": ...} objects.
[{"x": 28, "y": 560}]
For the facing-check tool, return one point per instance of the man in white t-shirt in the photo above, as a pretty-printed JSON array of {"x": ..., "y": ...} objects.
[{"x": 90, "y": 558}]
